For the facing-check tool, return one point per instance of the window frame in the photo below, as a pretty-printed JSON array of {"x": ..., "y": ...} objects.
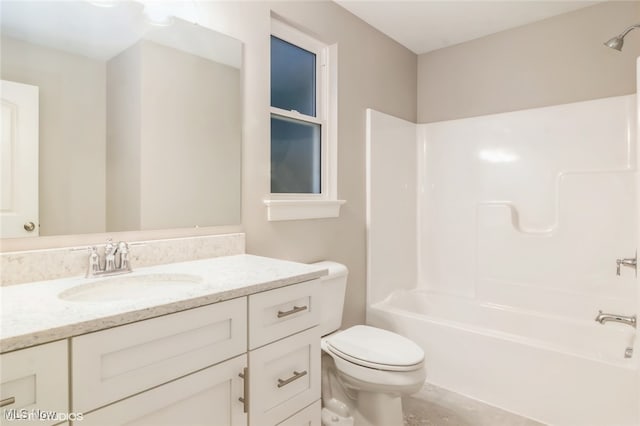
[{"x": 292, "y": 206}]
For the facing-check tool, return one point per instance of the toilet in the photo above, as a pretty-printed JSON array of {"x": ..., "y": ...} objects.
[{"x": 365, "y": 370}]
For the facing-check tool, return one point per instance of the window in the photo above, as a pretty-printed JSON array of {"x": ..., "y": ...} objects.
[{"x": 303, "y": 126}]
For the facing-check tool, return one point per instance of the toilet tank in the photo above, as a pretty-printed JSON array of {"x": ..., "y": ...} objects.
[{"x": 333, "y": 287}]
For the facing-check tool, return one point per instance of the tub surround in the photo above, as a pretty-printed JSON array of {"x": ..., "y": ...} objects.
[
  {"x": 520, "y": 219},
  {"x": 33, "y": 314},
  {"x": 49, "y": 264}
]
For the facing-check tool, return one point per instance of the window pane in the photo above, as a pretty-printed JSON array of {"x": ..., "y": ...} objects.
[
  {"x": 293, "y": 78},
  {"x": 295, "y": 156}
]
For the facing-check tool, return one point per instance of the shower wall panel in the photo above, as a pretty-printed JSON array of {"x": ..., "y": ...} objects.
[
  {"x": 532, "y": 208},
  {"x": 391, "y": 205}
]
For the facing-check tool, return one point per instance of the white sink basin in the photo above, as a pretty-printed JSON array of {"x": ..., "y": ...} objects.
[{"x": 129, "y": 287}]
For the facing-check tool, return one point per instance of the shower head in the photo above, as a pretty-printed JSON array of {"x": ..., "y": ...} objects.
[
  {"x": 618, "y": 41},
  {"x": 615, "y": 43}
]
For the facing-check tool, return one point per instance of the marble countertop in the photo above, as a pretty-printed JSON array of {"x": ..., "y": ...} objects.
[{"x": 32, "y": 313}]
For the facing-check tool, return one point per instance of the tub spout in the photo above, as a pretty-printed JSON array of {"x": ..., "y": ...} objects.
[{"x": 630, "y": 320}]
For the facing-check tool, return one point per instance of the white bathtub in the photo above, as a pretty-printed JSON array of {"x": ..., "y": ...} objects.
[{"x": 549, "y": 368}]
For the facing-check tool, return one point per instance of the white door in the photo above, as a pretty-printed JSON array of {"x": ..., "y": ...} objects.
[{"x": 19, "y": 161}]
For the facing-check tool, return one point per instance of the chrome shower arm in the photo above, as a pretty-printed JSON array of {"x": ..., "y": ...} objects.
[{"x": 625, "y": 32}]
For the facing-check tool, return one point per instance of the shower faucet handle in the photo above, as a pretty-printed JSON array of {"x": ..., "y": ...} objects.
[{"x": 631, "y": 262}]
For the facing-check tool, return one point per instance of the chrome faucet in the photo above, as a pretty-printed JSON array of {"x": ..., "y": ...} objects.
[
  {"x": 116, "y": 260},
  {"x": 602, "y": 318},
  {"x": 110, "y": 256}
]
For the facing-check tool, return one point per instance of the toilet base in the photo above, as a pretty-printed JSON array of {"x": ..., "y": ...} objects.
[
  {"x": 353, "y": 395},
  {"x": 373, "y": 409},
  {"x": 378, "y": 409},
  {"x": 330, "y": 418}
]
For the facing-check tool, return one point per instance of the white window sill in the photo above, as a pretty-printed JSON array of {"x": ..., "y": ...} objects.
[{"x": 302, "y": 209}]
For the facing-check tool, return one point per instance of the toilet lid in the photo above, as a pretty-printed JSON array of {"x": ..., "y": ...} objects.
[{"x": 376, "y": 348}]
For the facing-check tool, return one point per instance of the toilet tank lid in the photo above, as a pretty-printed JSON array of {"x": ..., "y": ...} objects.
[{"x": 336, "y": 269}]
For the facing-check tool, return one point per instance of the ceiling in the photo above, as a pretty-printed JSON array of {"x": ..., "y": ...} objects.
[
  {"x": 426, "y": 25},
  {"x": 88, "y": 29}
]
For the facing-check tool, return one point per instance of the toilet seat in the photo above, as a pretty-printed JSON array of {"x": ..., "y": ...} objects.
[
  {"x": 368, "y": 364},
  {"x": 375, "y": 348}
]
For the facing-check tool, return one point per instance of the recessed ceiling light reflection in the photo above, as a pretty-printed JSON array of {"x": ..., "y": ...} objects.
[
  {"x": 103, "y": 3},
  {"x": 159, "y": 15},
  {"x": 497, "y": 156}
]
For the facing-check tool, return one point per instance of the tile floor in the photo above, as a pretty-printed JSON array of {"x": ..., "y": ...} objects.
[{"x": 434, "y": 406}]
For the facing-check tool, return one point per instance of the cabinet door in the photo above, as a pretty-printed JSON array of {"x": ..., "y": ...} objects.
[
  {"x": 207, "y": 398},
  {"x": 35, "y": 383},
  {"x": 284, "y": 377},
  {"x": 113, "y": 364}
]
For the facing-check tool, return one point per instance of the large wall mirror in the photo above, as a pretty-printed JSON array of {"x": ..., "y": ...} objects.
[{"x": 116, "y": 117}]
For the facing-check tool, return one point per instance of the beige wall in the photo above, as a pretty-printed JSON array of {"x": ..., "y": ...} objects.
[
  {"x": 124, "y": 74},
  {"x": 191, "y": 140},
  {"x": 374, "y": 72},
  {"x": 174, "y": 141},
  {"x": 555, "y": 61},
  {"x": 72, "y": 134}
]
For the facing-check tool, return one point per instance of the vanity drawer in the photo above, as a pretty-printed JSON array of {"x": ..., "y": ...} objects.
[
  {"x": 33, "y": 379},
  {"x": 310, "y": 416},
  {"x": 278, "y": 313},
  {"x": 112, "y": 364},
  {"x": 284, "y": 377}
]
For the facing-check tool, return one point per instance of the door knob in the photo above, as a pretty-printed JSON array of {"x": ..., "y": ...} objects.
[{"x": 29, "y": 226}]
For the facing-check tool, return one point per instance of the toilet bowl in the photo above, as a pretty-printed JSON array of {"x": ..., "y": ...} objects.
[
  {"x": 377, "y": 367},
  {"x": 366, "y": 370}
]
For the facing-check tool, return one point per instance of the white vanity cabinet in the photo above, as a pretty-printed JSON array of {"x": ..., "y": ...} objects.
[
  {"x": 137, "y": 365},
  {"x": 284, "y": 363},
  {"x": 35, "y": 385},
  {"x": 251, "y": 360}
]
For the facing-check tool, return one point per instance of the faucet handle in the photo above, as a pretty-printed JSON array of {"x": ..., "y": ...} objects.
[
  {"x": 631, "y": 262},
  {"x": 94, "y": 261},
  {"x": 123, "y": 249}
]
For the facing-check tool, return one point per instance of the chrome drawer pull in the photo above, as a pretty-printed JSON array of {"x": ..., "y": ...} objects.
[
  {"x": 7, "y": 401},
  {"x": 295, "y": 376},
  {"x": 245, "y": 392},
  {"x": 295, "y": 310}
]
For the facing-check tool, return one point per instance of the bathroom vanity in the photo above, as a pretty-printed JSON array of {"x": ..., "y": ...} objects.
[{"x": 226, "y": 341}]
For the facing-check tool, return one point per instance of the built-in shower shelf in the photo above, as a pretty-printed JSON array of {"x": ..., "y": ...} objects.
[
  {"x": 580, "y": 197},
  {"x": 595, "y": 223}
]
